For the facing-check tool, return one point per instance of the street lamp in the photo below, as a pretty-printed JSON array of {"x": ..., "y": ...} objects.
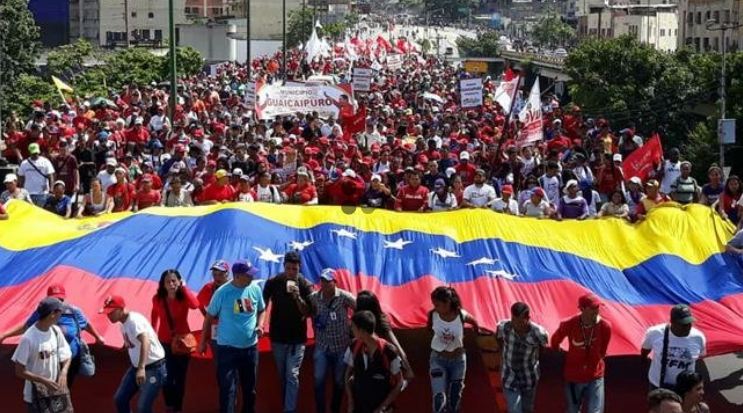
[
  {"x": 713, "y": 25},
  {"x": 283, "y": 38}
]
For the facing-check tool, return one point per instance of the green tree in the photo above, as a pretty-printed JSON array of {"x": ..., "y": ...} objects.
[
  {"x": 333, "y": 30},
  {"x": 68, "y": 60},
  {"x": 27, "y": 88},
  {"x": 19, "y": 43},
  {"x": 299, "y": 27},
  {"x": 188, "y": 62},
  {"x": 134, "y": 65},
  {"x": 552, "y": 31},
  {"x": 625, "y": 81},
  {"x": 485, "y": 45}
]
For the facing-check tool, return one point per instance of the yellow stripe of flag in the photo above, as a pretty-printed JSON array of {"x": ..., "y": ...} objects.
[{"x": 61, "y": 86}]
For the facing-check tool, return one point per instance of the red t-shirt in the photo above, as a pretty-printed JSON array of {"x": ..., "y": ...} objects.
[
  {"x": 587, "y": 347},
  {"x": 411, "y": 199},
  {"x": 467, "y": 173},
  {"x": 123, "y": 196},
  {"x": 215, "y": 192},
  {"x": 300, "y": 195},
  {"x": 178, "y": 312},
  {"x": 346, "y": 191},
  {"x": 146, "y": 199},
  {"x": 137, "y": 136}
]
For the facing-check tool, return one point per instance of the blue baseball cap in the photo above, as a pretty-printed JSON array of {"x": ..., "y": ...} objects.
[
  {"x": 221, "y": 265},
  {"x": 244, "y": 267},
  {"x": 328, "y": 274}
]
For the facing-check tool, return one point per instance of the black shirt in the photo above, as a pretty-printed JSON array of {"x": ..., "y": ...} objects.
[{"x": 288, "y": 325}]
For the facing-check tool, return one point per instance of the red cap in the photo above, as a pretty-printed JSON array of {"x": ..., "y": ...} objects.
[
  {"x": 589, "y": 301},
  {"x": 180, "y": 148},
  {"x": 56, "y": 291},
  {"x": 539, "y": 192},
  {"x": 507, "y": 189},
  {"x": 323, "y": 140},
  {"x": 111, "y": 303}
]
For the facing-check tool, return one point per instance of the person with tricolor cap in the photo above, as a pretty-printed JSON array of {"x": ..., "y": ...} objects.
[
  {"x": 147, "y": 371},
  {"x": 36, "y": 175},
  {"x": 331, "y": 314},
  {"x": 240, "y": 309},
  {"x": 675, "y": 347},
  {"x": 588, "y": 340},
  {"x": 72, "y": 322}
]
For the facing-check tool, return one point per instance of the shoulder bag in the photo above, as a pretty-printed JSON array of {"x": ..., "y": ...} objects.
[
  {"x": 664, "y": 359},
  {"x": 87, "y": 360},
  {"x": 46, "y": 400},
  {"x": 180, "y": 344}
]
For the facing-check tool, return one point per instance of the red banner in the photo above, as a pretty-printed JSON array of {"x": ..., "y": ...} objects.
[{"x": 644, "y": 160}]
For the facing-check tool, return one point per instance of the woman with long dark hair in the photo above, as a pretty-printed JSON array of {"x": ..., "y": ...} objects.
[
  {"x": 448, "y": 363},
  {"x": 728, "y": 205},
  {"x": 170, "y": 307},
  {"x": 367, "y": 301}
]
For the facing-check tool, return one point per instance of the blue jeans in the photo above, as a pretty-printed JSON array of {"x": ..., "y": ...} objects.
[
  {"x": 447, "y": 381},
  {"x": 174, "y": 387},
  {"x": 233, "y": 365},
  {"x": 592, "y": 392},
  {"x": 39, "y": 199},
  {"x": 288, "y": 361},
  {"x": 154, "y": 378},
  {"x": 328, "y": 361},
  {"x": 520, "y": 401}
]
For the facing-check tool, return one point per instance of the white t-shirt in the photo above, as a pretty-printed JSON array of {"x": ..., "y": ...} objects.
[
  {"x": 267, "y": 194},
  {"x": 135, "y": 325},
  {"x": 500, "y": 205},
  {"x": 436, "y": 204},
  {"x": 107, "y": 179},
  {"x": 41, "y": 352},
  {"x": 671, "y": 172},
  {"x": 447, "y": 335},
  {"x": 539, "y": 211},
  {"x": 36, "y": 183},
  {"x": 683, "y": 352},
  {"x": 551, "y": 185},
  {"x": 245, "y": 197},
  {"x": 479, "y": 196}
]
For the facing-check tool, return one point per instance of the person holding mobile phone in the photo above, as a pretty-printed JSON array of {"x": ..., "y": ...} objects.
[{"x": 288, "y": 296}]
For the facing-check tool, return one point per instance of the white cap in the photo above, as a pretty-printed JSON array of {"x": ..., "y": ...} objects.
[
  {"x": 636, "y": 180},
  {"x": 138, "y": 121},
  {"x": 449, "y": 172},
  {"x": 570, "y": 183},
  {"x": 617, "y": 157},
  {"x": 111, "y": 162},
  {"x": 10, "y": 178},
  {"x": 376, "y": 177},
  {"x": 237, "y": 172},
  {"x": 349, "y": 172},
  {"x": 464, "y": 155}
]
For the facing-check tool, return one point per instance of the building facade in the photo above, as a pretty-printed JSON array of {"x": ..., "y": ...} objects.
[
  {"x": 694, "y": 16},
  {"x": 656, "y": 25}
]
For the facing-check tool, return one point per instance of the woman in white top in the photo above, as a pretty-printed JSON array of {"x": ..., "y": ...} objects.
[
  {"x": 448, "y": 362},
  {"x": 97, "y": 202}
]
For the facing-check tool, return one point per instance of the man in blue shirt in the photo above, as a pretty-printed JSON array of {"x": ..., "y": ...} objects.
[
  {"x": 72, "y": 322},
  {"x": 240, "y": 309}
]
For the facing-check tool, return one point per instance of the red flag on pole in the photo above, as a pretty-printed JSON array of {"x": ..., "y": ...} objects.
[{"x": 644, "y": 160}]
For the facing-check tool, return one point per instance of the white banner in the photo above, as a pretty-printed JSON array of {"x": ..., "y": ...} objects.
[
  {"x": 362, "y": 79},
  {"x": 250, "y": 94},
  {"x": 213, "y": 70},
  {"x": 505, "y": 93},
  {"x": 470, "y": 92},
  {"x": 394, "y": 61},
  {"x": 531, "y": 118},
  {"x": 274, "y": 100}
]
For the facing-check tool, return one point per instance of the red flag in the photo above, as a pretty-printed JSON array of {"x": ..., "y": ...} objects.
[
  {"x": 644, "y": 160},
  {"x": 354, "y": 124},
  {"x": 508, "y": 75}
]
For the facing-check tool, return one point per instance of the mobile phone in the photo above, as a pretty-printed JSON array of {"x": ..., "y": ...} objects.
[{"x": 290, "y": 285}]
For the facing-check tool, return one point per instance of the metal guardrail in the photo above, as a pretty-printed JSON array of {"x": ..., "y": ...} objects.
[{"x": 535, "y": 57}]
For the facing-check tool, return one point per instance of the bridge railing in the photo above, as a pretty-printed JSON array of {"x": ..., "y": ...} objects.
[{"x": 535, "y": 57}]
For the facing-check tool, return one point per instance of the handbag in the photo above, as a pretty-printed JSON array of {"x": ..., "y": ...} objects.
[
  {"x": 180, "y": 344},
  {"x": 46, "y": 400},
  {"x": 87, "y": 360}
]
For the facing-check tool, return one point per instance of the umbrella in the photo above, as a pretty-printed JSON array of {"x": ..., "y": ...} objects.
[
  {"x": 431, "y": 96},
  {"x": 103, "y": 102}
]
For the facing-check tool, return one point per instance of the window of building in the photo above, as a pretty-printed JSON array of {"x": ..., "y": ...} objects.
[
  {"x": 158, "y": 34},
  {"x": 716, "y": 44},
  {"x": 697, "y": 47},
  {"x": 699, "y": 17},
  {"x": 705, "y": 44},
  {"x": 146, "y": 34},
  {"x": 134, "y": 14},
  {"x": 662, "y": 32},
  {"x": 716, "y": 16},
  {"x": 689, "y": 18},
  {"x": 151, "y": 15},
  {"x": 707, "y": 16},
  {"x": 187, "y": 10},
  {"x": 726, "y": 16},
  {"x": 196, "y": 10}
]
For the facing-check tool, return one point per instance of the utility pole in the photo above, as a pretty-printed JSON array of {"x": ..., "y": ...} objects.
[
  {"x": 126, "y": 23},
  {"x": 283, "y": 38},
  {"x": 713, "y": 25},
  {"x": 248, "y": 62},
  {"x": 172, "y": 62}
]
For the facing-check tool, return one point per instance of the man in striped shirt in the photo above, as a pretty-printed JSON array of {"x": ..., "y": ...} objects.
[{"x": 520, "y": 341}]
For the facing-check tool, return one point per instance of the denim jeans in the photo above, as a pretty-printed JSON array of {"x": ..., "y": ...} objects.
[
  {"x": 148, "y": 391},
  {"x": 520, "y": 401},
  {"x": 447, "y": 381},
  {"x": 325, "y": 362},
  {"x": 592, "y": 392},
  {"x": 233, "y": 365},
  {"x": 288, "y": 361},
  {"x": 39, "y": 199},
  {"x": 174, "y": 387}
]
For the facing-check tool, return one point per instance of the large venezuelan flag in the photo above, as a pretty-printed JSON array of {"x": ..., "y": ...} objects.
[{"x": 676, "y": 256}]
